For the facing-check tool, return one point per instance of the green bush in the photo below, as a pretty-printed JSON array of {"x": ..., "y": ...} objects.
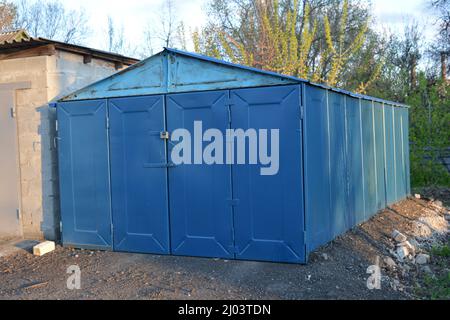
[
  {"x": 441, "y": 251},
  {"x": 429, "y": 132}
]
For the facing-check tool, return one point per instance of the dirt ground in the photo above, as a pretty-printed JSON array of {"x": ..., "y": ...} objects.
[{"x": 336, "y": 271}]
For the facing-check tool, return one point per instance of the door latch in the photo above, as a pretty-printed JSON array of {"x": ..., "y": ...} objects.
[
  {"x": 13, "y": 112},
  {"x": 165, "y": 135}
]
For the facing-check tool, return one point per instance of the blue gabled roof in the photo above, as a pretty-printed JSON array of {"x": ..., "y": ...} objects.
[{"x": 172, "y": 71}]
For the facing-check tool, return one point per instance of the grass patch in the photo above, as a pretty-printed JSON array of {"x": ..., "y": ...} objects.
[
  {"x": 441, "y": 251},
  {"x": 438, "y": 288}
]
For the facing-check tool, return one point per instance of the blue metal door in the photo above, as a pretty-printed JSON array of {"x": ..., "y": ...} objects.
[
  {"x": 200, "y": 210},
  {"x": 139, "y": 175},
  {"x": 268, "y": 216},
  {"x": 84, "y": 174}
]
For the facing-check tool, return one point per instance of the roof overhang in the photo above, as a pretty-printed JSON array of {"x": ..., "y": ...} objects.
[
  {"x": 176, "y": 71},
  {"x": 8, "y": 49}
]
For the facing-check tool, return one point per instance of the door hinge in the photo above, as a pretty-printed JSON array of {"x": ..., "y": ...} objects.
[
  {"x": 302, "y": 112},
  {"x": 107, "y": 122},
  {"x": 60, "y": 226},
  {"x": 305, "y": 238},
  {"x": 18, "y": 214},
  {"x": 13, "y": 112}
]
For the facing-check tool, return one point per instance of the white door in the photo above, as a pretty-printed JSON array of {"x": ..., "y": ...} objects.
[{"x": 9, "y": 169}]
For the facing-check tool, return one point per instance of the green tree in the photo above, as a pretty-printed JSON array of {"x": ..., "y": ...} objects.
[
  {"x": 317, "y": 39},
  {"x": 429, "y": 132}
]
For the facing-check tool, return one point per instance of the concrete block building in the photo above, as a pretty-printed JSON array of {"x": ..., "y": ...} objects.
[{"x": 33, "y": 73}]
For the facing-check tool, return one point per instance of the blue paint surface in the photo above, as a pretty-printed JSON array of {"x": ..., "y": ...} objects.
[
  {"x": 200, "y": 213},
  {"x": 138, "y": 175},
  {"x": 84, "y": 174},
  {"x": 269, "y": 219},
  {"x": 343, "y": 157},
  {"x": 351, "y": 167},
  {"x": 172, "y": 71}
]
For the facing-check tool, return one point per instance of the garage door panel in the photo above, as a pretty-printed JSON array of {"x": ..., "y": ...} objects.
[
  {"x": 138, "y": 175},
  {"x": 200, "y": 215},
  {"x": 83, "y": 152},
  {"x": 268, "y": 219}
]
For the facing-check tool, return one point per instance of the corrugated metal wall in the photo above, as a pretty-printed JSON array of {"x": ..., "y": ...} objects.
[
  {"x": 356, "y": 161},
  {"x": 354, "y": 149}
]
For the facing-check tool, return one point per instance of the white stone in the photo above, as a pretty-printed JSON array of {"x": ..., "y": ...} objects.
[
  {"x": 390, "y": 263},
  {"x": 422, "y": 258},
  {"x": 402, "y": 252},
  {"x": 398, "y": 236},
  {"x": 43, "y": 248},
  {"x": 409, "y": 246},
  {"x": 417, "y": 196}
]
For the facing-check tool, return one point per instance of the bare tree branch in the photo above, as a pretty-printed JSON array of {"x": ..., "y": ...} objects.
[{"x": 52, "y": 20}]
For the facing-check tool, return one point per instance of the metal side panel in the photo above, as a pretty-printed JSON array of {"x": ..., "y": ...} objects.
[
  {"x": 355, "y": 161},
  {"x": 401, "y": 186},
  {"x": 200, "y": 194},
  {"x": 317, "y": 169},
  {"x": 390, "y": 154},
  {"x": 379, "y": 155},
  {"x": 369, "y": 159},
  {"x": 341, "y": 217},
  {"x": 269, "y": 216},
  {"x": 84, "y": 174},
  {"x": 405, "y": 126},
  {"x": 139, "y": 175}
]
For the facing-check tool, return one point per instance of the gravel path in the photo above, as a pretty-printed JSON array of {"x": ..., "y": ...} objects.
[{"x": 337, "y": 271}]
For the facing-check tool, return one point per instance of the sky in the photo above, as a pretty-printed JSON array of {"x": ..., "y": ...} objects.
[{"x": 137, "y": 15}]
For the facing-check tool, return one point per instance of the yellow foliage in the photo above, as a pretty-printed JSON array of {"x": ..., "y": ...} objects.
[{"x": 281, "y": 46}]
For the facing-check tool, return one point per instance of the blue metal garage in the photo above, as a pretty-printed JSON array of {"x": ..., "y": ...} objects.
[{"x": 341, "y": 158}]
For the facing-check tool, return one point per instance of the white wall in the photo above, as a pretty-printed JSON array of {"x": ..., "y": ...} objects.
[{"x": 51, "y": 77}]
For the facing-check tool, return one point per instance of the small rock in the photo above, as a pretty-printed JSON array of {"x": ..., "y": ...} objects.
[
  {"x": 409, "y": 246},
  {"x": 422, "y": 259},
  {"x": 398, "y": 236},
  {"x": 406, "y": 268},
  {"x": 414, "y": 243},
  {"x": 390, "y": 263},
  {"x": 325, "y": 256},
  {"x": 43, "y": 248},
  {"x": 438, "y": 204},
  {"x": 417, "y": 196},
  {"x": 395, "y": 284},
  {"x": 402, "y": 252},
  {"x": 427, "y": 269}
]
